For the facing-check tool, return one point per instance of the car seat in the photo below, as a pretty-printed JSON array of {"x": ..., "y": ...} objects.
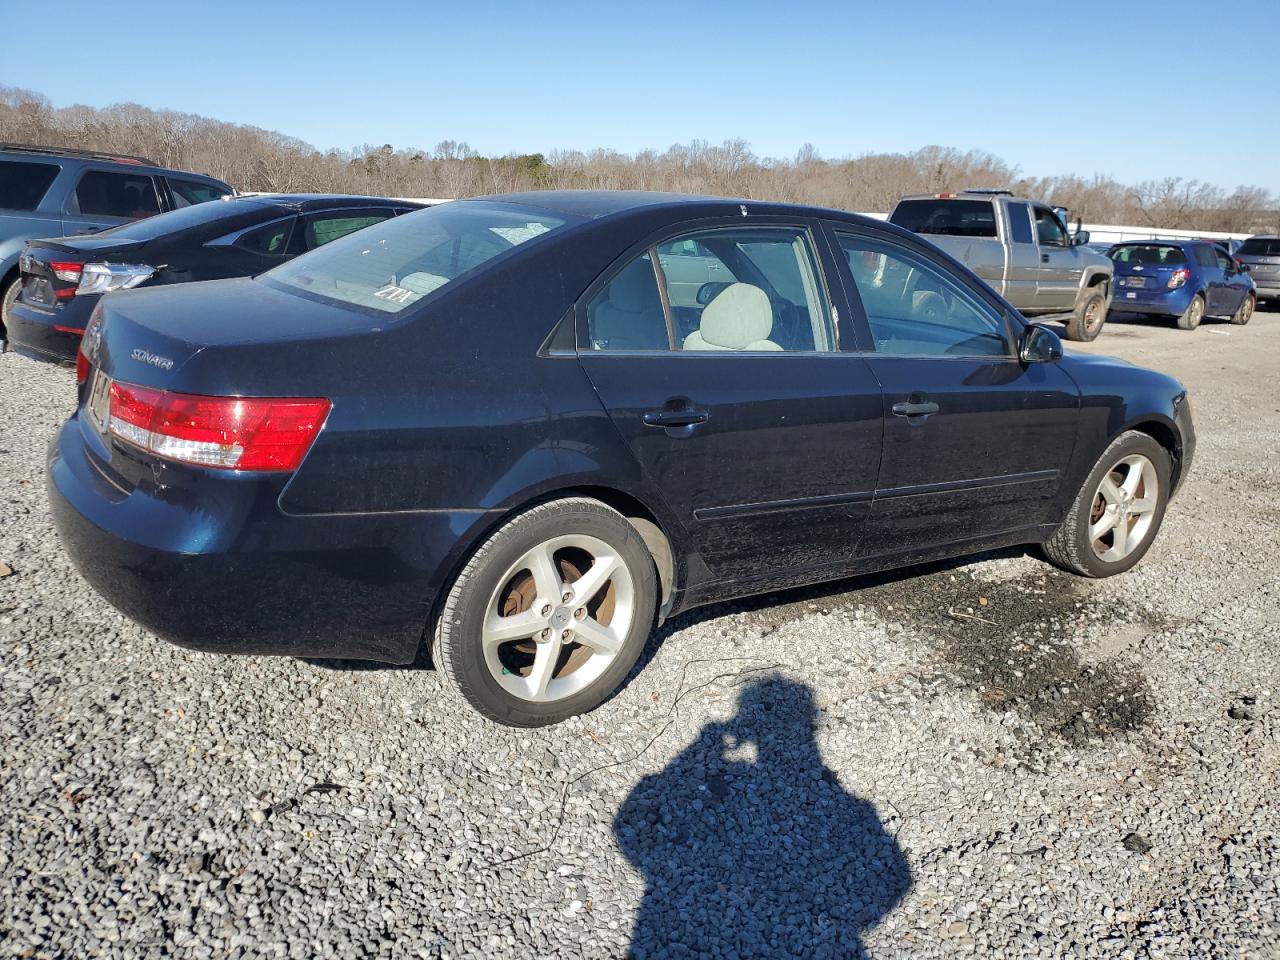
[{"x": 740, "y": 318}]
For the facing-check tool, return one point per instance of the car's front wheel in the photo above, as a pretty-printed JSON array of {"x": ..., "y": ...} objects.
[
  {"x": 549, "y": 615},
  {"x": 1118, "y": 511}
]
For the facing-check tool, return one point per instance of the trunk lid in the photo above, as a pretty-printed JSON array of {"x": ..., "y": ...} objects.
[{"x": 1147, "y": 267}]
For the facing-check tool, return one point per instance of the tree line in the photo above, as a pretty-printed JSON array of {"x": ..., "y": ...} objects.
[{"x": 250, "y": 158}]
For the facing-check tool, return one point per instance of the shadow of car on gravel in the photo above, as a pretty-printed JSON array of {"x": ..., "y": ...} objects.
[{"x": 750, "y": 847}]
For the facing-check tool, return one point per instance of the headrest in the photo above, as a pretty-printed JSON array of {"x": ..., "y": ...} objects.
[
  {"x": 739, "y": 316},
  {"x": 635, "y": 287}
]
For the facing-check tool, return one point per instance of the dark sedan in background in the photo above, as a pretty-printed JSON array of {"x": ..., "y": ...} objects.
[
  {"x": 1185, "y": 280},
  {"x": 520, "y": 430},
  {"x": 62, "y": 279}
]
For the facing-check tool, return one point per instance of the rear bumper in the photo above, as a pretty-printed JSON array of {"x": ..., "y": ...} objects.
[
  {"x": 216, "y": 566},
  {"x": 1164, "y": 302},
  {"x": 1267, "y": 288},
  {"x": 49, "y": 335}
]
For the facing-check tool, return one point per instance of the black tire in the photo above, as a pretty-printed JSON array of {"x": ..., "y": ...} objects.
[
  {"x": 457, "y": 648},
  {"x": 1191, "y": 317},
  {"x": 1245, "y": 313},
  {"x": 7, "y": 296},
  {"x": 1089, "y": 317},
  {"x": 1070, "y": 547}
]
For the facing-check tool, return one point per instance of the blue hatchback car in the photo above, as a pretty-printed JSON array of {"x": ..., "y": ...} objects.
[
  {"x": 523, "y": 430},
  {"x": 1184, "y": 279}
]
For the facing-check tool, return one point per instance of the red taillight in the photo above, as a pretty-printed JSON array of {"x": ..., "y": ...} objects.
[
  {"x": 82, "y": 365},
  {"x": 66, "y": 270},
  {"x": 228, "y": 433},
  {"x": 1179, "y": 278}
]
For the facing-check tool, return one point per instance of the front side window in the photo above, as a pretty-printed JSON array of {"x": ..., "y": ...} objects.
[
  {"x": 1224, "y": 262},
  {"x": 128, "y": 195},
  {"x": 23, "y": 185},
  {"x": 392, "y": 265},
  {"x": 1049, "y": 230},
  {"x": 189, "y": 192},
  {"x": 737, "y": 289},
  {"x": 914, "y": 308}
]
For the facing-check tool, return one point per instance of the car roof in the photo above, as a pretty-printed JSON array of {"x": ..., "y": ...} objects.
[
  {"x": 597, "y": 204},
  {"x": 315, "y": 201}
]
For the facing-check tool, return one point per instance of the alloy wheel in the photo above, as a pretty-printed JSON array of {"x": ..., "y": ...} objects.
[
  {"x": 558, "y": 618},
  {"x": 1123, "y": 508}
]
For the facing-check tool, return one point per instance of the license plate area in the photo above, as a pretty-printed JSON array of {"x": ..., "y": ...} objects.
[
  {"x": 98, "y": 406},
  {"x": 1133, "y": 281}
]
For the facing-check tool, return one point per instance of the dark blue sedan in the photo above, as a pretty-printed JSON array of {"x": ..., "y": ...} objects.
[
  {"x": 526, "y": 429},
  {"x": 1186, "y": 280}
]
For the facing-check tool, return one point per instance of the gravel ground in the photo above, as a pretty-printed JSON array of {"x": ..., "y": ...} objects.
[{"x": 987, "y": 757}]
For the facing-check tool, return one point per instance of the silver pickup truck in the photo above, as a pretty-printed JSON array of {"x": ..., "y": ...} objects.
[{"x": 1023, "y": 249}]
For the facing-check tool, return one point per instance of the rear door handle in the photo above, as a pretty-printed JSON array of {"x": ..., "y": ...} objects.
[
  {"x": 1044, "y": 258},
  {"x": 675, "y": 418},
  {"x": 914, "y": 409}
]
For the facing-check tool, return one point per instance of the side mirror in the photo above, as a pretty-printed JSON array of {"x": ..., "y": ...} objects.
[
  {"x": 1040, "y": 345},
  {"x": 1081, "y": 238}
]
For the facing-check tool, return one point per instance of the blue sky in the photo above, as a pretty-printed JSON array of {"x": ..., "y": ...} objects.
[{"x": 1044, "y": 86}]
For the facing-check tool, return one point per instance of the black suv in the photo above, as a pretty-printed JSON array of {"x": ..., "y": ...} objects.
[
  {"x": 62, "y": 279},
  {"x": 53, "y": 192}
]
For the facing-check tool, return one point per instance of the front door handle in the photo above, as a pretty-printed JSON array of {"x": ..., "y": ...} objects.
[
  {"x": 1044, "y": 258},
  {"x": 914, "y": 409},
  {"x": 686, "y": 417}
]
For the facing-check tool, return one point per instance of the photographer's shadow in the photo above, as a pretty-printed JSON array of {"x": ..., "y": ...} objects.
[{"x": 750, "y": 847}]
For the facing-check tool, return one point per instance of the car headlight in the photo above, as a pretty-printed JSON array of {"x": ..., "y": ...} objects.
[{"x": 105, "y": 277}]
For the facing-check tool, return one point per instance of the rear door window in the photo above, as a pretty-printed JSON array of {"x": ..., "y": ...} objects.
[
  {"x": 130, "y": 196},
  {"x": 1020, "y": 223},
  {"x": 948, "y": 218},
  {"x": 189, "y": 192},
  {"x": 23, "y": 185}
]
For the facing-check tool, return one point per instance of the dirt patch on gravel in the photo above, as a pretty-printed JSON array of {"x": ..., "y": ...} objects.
[{"x": 1018, "y": 644}]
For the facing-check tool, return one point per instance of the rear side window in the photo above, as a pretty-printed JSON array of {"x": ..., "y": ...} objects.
[
  {"x": 189, "y": 192},
  {"x": 1260, "y": 247},
  {"x": 23, "y": 185},
  {"x": 128, "y": 195},
  {"x": 1020, "y": 223},
  {"x": 948, "y": 218},
  {"x": 1205, "y": 256},
  {"x": 1148, "y": 255},
  {"x": 270, "y": 239},
  {"x": 394, "y": 264}
]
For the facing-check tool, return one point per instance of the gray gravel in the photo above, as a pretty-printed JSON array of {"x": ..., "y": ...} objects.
[{"x": 987, "y": 757}]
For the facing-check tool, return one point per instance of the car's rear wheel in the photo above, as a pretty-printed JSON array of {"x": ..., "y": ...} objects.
[
  {"x": 1194, "y": 313},
  {"x": 8, "y": 295},
  {"x": 1088, "y": 319},
  {"x": 549, "y": 615},
  {"x": 1118, "y": 511},
  {"x": 1245, "y": 313}
]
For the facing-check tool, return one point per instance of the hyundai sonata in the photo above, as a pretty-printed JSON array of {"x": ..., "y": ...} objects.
[{"x": 526, "y": 429}]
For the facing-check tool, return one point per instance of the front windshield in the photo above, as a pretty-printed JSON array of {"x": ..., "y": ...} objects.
[{"x": 392, "y": 265}]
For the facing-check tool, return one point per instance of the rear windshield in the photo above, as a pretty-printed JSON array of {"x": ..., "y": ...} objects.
[
  {"x": 1148, "y": 255},
  {"x": 164, "y": 224},
  {"x": 23, "y": 185},
  {"x": 393, "y": 265},
  {"x": 1260, "y": 247},
  {"x": 951, "y": 218}
]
